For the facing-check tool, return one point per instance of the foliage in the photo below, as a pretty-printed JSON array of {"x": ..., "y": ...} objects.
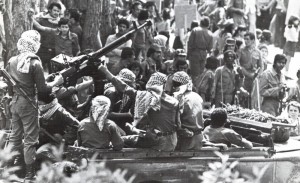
[
  {"x": 6, "y": 154},
  {"x": 91, "y": 172},
  {"x": 224, "y": 172}
]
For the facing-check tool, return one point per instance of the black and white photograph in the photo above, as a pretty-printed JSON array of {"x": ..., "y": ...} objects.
[{"x": 149, "y": 91}]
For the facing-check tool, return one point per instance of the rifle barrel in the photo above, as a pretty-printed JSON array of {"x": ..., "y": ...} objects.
[{"x": 121, "y": 40}]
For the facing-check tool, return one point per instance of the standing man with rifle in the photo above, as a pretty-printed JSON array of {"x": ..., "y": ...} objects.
[
  {"x": 27, "y": 72},
  {"x": 272, "y": 86}
]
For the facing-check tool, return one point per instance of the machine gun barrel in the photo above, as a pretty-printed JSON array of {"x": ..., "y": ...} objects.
[
  {"x": 119, "y": 41},
  {"x": 80, "y": 63}
]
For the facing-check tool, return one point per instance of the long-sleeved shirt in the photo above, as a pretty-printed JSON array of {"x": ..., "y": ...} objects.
[
  {"x": 191, "y": 116},
  {"x": 226, "y": 136},
  {"x": 58, "y": 123},
  {"x": 269, "y": 83},
  {"x": 204, "y": 84},
  {"x": 250, "y": 60},
  {"x": 68, "y": 46},
  {"x": 90, "y": 136},
  {"x": 163, "y": 119},
  {"x": 31, "y": 82},
  {"x": 226, "y": 81},
  {"x": 200, "y": 39}
]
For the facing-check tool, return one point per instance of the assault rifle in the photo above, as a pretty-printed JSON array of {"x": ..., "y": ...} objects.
[
  {"x": 13, "y": 83},
  {"x": 87, "y": 65},
  {"x": 20, "y": 90}
]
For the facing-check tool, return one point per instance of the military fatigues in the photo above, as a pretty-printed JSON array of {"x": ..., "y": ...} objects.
[{"x": 269, "y": 88}]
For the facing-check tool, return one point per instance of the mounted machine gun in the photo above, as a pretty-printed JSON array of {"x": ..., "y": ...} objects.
[{"x": 87, "y": 65}]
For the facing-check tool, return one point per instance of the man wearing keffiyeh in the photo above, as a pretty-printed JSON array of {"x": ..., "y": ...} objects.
[
  {"x": 155, "y": 111},
  {"x": 121, "y": 104},
  {"x": 55, "y": 119},
  {"x": 190, "y": 108},
  {"x": 96, "y": 131},
  {"x": 27, "y": 71}
]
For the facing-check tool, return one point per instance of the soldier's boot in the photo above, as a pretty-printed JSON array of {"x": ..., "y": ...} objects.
[{"x": 30, "y": 173}]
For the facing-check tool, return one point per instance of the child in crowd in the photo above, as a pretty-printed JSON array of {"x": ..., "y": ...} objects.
[
  {"x": 66, "y": 42},
  {"x": 293, "y": 110},
  {"x": 291, "y": 34},
  {"x": 264, "y": 53},
  {"x": 217, "y": 133}
]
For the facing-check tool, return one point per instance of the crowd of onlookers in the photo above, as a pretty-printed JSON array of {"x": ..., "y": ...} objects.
[{"x": 155, "y": 92}]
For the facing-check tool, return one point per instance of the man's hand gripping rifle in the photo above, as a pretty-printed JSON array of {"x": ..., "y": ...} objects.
[
  {"x": 14, "y": 84},
  {"x": 86, "y": 65}
]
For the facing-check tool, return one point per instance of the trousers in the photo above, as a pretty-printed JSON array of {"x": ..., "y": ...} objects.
[{"x": 25, "y": 122}]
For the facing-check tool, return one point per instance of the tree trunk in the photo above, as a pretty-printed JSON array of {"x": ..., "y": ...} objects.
[
  {"x": 106, "y": 26},
  {"x": 79, "y": 4},
  {"x": 98, "y": 13},
  {"x": 92, "y": 25},
  {"x": 15, "y": 23}
]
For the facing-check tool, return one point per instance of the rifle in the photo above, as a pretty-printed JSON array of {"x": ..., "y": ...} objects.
[
  {"x": 14, "y": 84},
  {"x": 87, "y": 65}
]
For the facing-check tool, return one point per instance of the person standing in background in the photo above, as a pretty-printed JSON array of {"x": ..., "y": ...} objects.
[
  {"x": 272, "y": 86},
  {"x": 291, "y": 33},
  {"x": 47, "y": 50},
  {"x": 199, "y": 45},
  {"x": 263, "y": 14},
  {"x": 251, "y": 64},
  {"x": 115, "y": 55}
]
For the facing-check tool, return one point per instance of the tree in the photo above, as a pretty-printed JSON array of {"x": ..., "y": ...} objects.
[
  {"x": 16, "y": 21},
  {"x": 97, "y": 19},
  {"x": 106, "y": 25}
]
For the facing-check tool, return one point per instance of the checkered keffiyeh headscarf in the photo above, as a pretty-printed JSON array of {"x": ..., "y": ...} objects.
[
  {"x": 99, "y": 110},
  {"x": 183, "y": 78},
  {"x": 126, "y": 75},
  {"x": 186, "y": 85},
  {"x": 28, "y": 45},
  {"x": 156, "y": 79},
  {"x": 151, "y": 97}
]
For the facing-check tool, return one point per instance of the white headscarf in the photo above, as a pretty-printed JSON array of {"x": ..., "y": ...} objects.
[
  {"x": 99, "y": 110},
  {"x": 161, "y": 40},
  {"x": 28, "y": 45}
]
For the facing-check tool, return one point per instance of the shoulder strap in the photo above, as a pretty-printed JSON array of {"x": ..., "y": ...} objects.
[
  {"x": 222, "y": 95},
  {"x": 177, "y": 116}
]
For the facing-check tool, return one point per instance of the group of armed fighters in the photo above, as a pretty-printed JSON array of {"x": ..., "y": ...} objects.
[{"x": 142, "y": 94}]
